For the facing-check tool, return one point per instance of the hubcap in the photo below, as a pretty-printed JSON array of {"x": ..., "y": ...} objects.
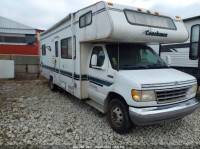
[{"x": 116, "y": 116}]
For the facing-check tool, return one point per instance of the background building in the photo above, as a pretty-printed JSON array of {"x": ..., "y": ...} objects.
[
  {"x": 18, "y": 39},
  {"x": 19, "y": 43}
]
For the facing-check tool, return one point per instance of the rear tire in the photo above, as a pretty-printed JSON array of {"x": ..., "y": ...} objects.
[
  {"x": 53, "y": 87},
  {"x": 118, "y": 116}
]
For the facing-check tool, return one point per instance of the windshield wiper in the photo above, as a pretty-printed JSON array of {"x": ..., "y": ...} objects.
[
  {"x": 132, "y": 67},
  {"x": 142, "y": 67},
  {"x": 156, "y": 66}
]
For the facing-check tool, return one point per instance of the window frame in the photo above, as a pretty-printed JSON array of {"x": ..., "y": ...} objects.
[
  {"x": 97, "y": 67},
  {"x": 148, "y": 25},
  {"x": 67, "y": 47},
  {"x": 13, "y": 39},
  {"x": 84, "y": 15},
  {"x": 56, "y": 48},
  {"x": 74, "y": 38},
  {"x": 135, "y": 44}
]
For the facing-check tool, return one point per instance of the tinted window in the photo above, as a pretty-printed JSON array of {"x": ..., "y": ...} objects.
[
  {"x": 82, "y": 21},
  {"x": 88, "y": 18},
  {"x": 56, "y": 48},
  {"x": 30, "y": 39},
  {"x": 44, "y": 49},
  {"x": 66, "y": 48},
  {"x": 145, "y": 19},
  {"x": 10, "y": 39},
  {"x": 85, "y": 19},
  {"x": 100, "y": 55}
]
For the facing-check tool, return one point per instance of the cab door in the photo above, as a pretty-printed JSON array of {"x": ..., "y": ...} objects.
[{"x": 98, "y": 80}]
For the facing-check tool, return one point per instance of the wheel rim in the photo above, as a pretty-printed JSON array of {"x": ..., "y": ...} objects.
[{"x": 117, "y": 116}]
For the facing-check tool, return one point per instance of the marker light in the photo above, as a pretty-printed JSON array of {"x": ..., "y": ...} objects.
[
  {"x": 177, "y": 17},
  {"x": 109, "y": 3},
  {"x": 139, "y": 9},
  {"x": 148, "y": 11},
  {"x": 157, "y": 13}
]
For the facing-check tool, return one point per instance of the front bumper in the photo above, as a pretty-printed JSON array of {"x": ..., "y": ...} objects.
[{"x": 154, "y": 115}]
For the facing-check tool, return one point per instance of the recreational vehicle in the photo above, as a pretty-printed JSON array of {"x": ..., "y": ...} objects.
[
  {"x": 182, "y": 57},
  {"x": 99, "y": 54}
]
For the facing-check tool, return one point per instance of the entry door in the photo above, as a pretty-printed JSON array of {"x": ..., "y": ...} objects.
[
  {"x": 98, "y": 83},
  {"x": 57, "y": 60}
]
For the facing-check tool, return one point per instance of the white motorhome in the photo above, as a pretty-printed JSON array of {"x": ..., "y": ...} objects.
[
  {"x": 180, "y": 54},
  {"x": 100, "y": 54}
]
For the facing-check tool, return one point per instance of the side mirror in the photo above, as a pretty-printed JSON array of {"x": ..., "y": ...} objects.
[
  {"x": 168, "y": 60},
  {"x": 94, "y": 60},
  {"x": 194, "y": 42}
]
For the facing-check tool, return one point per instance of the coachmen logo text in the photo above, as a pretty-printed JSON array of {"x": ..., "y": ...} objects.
[{"x": 149, "y": 33}]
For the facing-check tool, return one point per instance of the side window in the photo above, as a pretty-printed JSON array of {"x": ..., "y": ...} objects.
[
  {"x": 82, "y": 21},
  {"x": 43, "y": 49},
  {"x": 100, "y": 55},
  {"x": 85, "y": 19},
  {"x": 66, "y": 48},
  {"x": 56, "y": 48}
]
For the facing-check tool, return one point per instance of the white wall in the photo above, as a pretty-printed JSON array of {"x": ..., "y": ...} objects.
[{"x": 6, "y": 69}]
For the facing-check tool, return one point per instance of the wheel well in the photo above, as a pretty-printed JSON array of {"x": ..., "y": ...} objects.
[{"x": 111, "y": 96}]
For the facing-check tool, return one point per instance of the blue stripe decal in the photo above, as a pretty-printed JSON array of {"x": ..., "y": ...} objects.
[
  {"x": 99, "y": 81},
  {"x": 65, "y": 73},
  {"x": 57, "y": 31},
  {"x": 101, "y": 10},
  {"x": 115, "y": 9},
  {"x": 76, "y": 22},
  {"x": 84, "y": 77},
  {"x": 94, "y": 80}
]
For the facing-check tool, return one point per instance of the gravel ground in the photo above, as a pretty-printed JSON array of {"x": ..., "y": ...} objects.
[{"x": 30, "y": 114}]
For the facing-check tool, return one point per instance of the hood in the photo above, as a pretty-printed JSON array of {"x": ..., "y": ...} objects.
[{"x": 153, "y": 78}]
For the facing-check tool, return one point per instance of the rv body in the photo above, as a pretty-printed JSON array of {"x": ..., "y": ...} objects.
[{"x": 87, "y": 54}]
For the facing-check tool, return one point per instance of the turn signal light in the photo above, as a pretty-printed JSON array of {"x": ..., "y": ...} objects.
[
  {"x": 109, "y": 3},
  {"x": 157, "y": 13},
  {"x": 139, "y": 9},
  {"x": 177, "y": 17},
  {"x": 136, "y": 95}
]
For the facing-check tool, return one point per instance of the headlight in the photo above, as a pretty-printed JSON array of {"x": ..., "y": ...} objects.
[
  {"x": 143, "y": 96},
  {"x": 192, "y": 91}
]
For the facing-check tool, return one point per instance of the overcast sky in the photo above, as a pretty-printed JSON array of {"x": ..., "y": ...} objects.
[{"x": 42, "y": 14}]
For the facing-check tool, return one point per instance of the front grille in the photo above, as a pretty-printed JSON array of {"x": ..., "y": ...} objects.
[{"x": 172, "y": 95}]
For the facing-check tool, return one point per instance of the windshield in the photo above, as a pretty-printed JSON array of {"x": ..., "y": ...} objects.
[{"x": 133, "y": 56}]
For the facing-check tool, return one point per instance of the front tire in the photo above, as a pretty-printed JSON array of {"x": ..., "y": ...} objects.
[
  {"x": 118, "y": 116},
  {"x": 53, "y": 87}
]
